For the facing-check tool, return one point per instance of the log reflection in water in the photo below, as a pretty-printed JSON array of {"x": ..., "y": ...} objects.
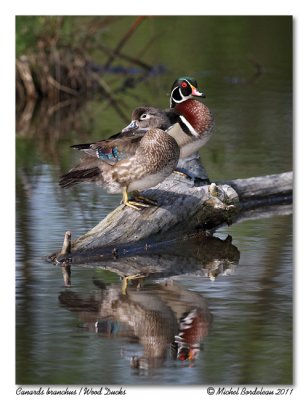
[
  {"x": 197, "y": 254},
  {"x": 167, "y": 320}
]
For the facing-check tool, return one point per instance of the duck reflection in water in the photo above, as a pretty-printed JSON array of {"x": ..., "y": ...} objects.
[{"x": 167, "y": 320}]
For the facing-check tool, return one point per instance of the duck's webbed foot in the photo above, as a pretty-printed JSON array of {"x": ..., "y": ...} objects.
[
  {"x": 145, "y": 200},
  {"x": 136, "y": 205}
]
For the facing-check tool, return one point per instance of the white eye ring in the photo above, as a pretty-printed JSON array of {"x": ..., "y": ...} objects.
[{"x": 144, "y": 116}]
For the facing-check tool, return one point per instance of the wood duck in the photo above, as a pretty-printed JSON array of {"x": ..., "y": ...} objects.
[
  {"x": 140, "y": 157},
  {"x": 195, "y": 121},
  {"x": 131, "y": 163}
]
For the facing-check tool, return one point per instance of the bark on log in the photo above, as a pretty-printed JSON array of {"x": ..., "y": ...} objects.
[{"x": 253, "y": 191}]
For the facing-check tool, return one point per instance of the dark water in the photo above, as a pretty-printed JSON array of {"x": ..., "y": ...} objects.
[{"x": 247, "y": 310}]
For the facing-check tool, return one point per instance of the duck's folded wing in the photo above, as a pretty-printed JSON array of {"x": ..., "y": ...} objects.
[{"x": 112, "y": 150}]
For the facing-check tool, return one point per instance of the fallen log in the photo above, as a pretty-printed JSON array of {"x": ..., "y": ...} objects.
[
  {"x": 184, "y": 209},
  {"x": 263, "y": 190}
]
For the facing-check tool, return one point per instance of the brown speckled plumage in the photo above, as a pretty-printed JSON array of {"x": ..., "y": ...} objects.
[
  {"x": 150, "y": 161},
  {"x": 156, "y": 157},
  {"x": 197, "y": 114}
]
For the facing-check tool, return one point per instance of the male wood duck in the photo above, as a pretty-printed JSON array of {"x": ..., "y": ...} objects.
[
  {"x": 193, "y": 327},
  {"x": 195, "y": 121},
  {"x": 129, "y": 164}
]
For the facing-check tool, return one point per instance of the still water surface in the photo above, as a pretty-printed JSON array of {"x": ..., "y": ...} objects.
[{"x": 247, "y": 309}]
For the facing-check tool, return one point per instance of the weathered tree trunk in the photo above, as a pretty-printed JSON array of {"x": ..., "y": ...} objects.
[
  {"x": 263, "y": 189},
  {"x": 184, "y": 209}
]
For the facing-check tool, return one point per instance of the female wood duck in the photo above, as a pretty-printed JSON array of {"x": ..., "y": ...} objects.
[
  {"x": 195, "y": 121},
  {"x": 129, "y": 164}
]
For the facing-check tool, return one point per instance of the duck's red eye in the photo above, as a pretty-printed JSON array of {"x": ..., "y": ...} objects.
[{"x": 184, "y": 84}]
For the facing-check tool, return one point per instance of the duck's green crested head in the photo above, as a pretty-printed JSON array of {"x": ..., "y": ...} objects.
[
  {"x": 184, "y": 88},
  {"x": 189, "y": 79}
]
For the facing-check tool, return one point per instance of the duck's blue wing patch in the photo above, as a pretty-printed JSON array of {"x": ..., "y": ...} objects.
[{"x": 109, "y": 154}]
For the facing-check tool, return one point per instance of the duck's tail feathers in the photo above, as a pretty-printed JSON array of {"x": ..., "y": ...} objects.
[
  {"x": 81, "y": 146},
  {"x": 86, "y": 148},
  {"x": 79, "y": 175}
]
